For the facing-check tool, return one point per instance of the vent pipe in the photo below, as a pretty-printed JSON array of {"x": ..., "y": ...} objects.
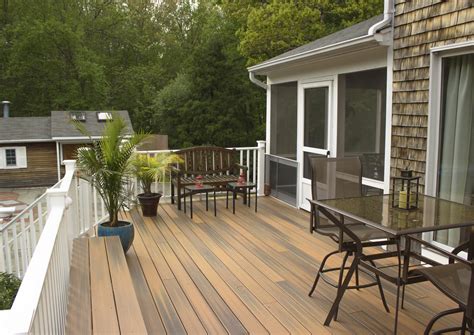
[{"x": 6, "y": 109}]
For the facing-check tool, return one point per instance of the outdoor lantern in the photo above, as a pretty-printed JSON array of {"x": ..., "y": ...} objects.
[
  {"x": 405, "y": 190},
  {"x": 199, "y": 181},
  {"x": 241, "y": 179}
]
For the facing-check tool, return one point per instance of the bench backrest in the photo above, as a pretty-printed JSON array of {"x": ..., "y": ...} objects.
[{"x": 207, "y": 160}]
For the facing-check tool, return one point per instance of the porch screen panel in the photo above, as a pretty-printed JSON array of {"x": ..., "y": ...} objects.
[
  {"x": 361, "y": 119},
  {"x": 456, "y": 164},
  {"x": 283, "y": 120}
]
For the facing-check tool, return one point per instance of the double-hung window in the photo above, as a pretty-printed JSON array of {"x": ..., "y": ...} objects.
[{"x": 13, "y": 157}]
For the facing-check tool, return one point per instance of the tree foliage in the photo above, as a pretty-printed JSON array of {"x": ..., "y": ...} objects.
[{"x": 178, "y": 66}]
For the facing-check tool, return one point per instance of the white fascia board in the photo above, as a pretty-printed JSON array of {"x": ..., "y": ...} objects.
[
  {"x": 76, "y": 138},
  {"x": 310, "y": 53},
  {"x": 26, "y": 141}
]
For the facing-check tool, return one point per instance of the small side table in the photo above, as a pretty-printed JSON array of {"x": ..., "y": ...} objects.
[
  {"x": 193, "y": 189},
  {"x": 245, "y": 189}
]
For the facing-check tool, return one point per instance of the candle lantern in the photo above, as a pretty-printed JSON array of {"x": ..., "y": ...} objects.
[
  {"x": 405, "y": 190},
  {"x": 199, "y": 181},
  {"x": 241, "y": 180}
]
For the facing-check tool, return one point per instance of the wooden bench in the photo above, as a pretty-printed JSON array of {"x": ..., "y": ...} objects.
[
  {"x": 101, "y": 296},
  {"x": 218, "y": 167}
]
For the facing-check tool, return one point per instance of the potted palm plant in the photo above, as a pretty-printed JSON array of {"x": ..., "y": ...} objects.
[
  {"x": 147, "y": 170},
  {"x": 107, "y": 164}
]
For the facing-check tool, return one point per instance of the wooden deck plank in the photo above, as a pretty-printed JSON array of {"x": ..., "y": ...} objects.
[
  {"x": 250, "y": 322},
  {"x": 228, "y": 319},
  {"x": 79, "y": 315},
  {"x": 104, "y": 313},
  {"x": 126, "y": 303},
  {"x": 368, "y": 301},
  {"x": 185, "y": 310},
  {"x": 241, "y": 283},
  {"x": 200, "y": 306},
  {"x": 151, "y": 316},
  {"x": 299, "y": 307},
  {"x": 165, "y": 307},
  {"x": 249, "y": 269}
]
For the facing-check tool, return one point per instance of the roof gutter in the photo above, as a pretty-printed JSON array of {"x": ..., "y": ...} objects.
[
  {"x": 257, "y": 82},
  {"x": 387, "y": 17}
]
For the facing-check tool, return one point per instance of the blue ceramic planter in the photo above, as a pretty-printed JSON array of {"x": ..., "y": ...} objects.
[{"x": 125, "y": 231}]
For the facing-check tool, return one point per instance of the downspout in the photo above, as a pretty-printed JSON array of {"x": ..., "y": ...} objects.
[
  {"x": 387, "y": 17},
  {"x": 257, "y": 82}
]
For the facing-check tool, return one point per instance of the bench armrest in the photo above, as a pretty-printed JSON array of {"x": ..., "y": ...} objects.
[
  {"x": 240, "y": 166},
  {"x": 175, "y": 170}
]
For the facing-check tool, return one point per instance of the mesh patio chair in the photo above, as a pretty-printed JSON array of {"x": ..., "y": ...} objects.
[
  {"x": 341, "y": 178},
  {"x": 455, "y": 280}
]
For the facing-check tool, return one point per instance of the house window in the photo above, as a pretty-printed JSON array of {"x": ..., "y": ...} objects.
[
  {"x": 13, "y": 158},
  {"x": 10, "y": 157},
  {"x": 361, "y": 119},
  {"x": 456, "y": 138}
]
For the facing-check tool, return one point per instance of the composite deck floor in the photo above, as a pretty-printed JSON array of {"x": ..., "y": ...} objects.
[{"x": 250, "y": 273}]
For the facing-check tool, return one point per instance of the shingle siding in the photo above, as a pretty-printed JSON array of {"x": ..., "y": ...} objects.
[{"x": 420, "y": 25}]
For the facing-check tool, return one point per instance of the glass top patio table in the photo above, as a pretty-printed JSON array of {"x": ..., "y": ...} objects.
[{"x": 377, "y": 211}]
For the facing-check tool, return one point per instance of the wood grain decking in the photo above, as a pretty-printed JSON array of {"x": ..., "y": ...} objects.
[{"x": 251, "y": 273}]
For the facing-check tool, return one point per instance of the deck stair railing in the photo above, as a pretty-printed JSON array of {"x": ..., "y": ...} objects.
[{"x": 73, "y": 208}]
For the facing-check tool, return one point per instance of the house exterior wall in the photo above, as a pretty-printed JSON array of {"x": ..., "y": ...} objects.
[
  {"x": 419, "y": 26},
  {"x": 41, "y": 167}
]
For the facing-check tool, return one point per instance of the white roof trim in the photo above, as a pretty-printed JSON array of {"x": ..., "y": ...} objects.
[
  {"x": 305, "y": 54},
  {"x": 27, "y": 140}
]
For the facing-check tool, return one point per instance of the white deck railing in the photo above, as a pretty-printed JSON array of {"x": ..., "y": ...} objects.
[
  {"x": 251, "y": 157},
  {"x": 40, "y": 305}
]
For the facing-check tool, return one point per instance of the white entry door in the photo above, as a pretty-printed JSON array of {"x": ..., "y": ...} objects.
[{"x": 316, "y": 130}]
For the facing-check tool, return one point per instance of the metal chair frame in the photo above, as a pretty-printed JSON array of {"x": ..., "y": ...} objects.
[
  {"x": 349, "y": 248},
  {"x": 467, "y": 308}
]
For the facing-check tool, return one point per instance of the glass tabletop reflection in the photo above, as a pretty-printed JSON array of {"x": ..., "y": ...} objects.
[{"x": 377, "y": 211}]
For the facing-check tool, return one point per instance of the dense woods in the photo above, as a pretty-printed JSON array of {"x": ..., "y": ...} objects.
[{"x": 178, "y": 66}]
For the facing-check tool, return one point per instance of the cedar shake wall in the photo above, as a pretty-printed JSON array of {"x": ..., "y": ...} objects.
[
  {"x": 418, "y": 26},
  {"x": 41, "y": 167}
]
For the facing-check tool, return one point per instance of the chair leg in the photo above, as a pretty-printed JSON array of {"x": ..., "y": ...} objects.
[
  {"x": 357, "y": 278},
  {"x": 463, "y": 327},
  {"x": 172, "y": 193},
  {"x": 341, "y": 291},
  {"x": 179, "y": 198},
  {"x": 438, "y": 316},
  {"x": 382, "y": 294},
  {"x": 403, "y": 296},
  {"x": 320, "y": 269},
  {"x": 341, "y": 275}
]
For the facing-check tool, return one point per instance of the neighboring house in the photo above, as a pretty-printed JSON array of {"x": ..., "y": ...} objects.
[
  {"x": 32, "y": 148},
  {"x": 396, "y": 90}
]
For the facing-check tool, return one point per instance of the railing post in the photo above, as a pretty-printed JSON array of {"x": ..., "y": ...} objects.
[{"x": 260, "y": 167}]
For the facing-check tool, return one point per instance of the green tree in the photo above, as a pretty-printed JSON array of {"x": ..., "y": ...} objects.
[{"x": 280, "y": 25}]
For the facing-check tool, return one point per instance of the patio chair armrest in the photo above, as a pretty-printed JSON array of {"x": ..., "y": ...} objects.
[{"x": 451, "y": 256}]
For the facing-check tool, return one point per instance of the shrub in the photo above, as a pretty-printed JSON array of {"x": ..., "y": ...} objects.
[{"x": 9, "y": 285}]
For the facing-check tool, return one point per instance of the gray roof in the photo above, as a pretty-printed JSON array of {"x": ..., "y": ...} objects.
[
  {"x": 358, "y": 30},
  {"x": 25, "y": 128},
  {"x": 61, "y": 125}
]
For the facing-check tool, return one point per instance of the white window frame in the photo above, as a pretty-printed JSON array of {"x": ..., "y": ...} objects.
[
  {"x": 437, "y": 54},
  {"x": 19, "y": 165}
]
